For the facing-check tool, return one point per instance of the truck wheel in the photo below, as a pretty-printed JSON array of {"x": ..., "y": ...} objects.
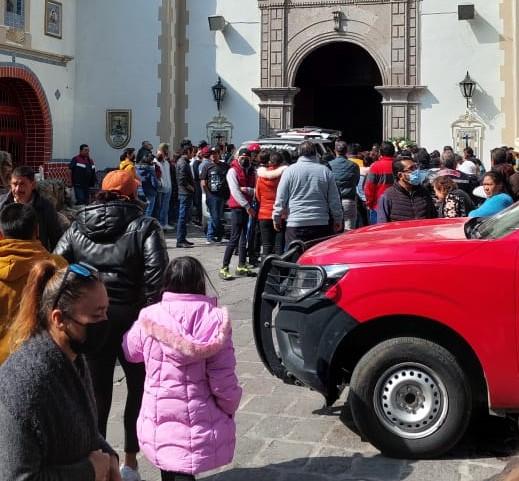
[{"x": 410, "y": 398}]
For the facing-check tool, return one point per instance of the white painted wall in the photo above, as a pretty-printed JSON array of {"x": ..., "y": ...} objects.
[
  {"x": 234, "y": 56},
  {"x": 117, "y": 68},
  {"x": 449, "y": 48}
]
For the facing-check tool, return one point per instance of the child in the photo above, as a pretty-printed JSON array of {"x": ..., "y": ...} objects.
[{"x": 186, "y": 423}]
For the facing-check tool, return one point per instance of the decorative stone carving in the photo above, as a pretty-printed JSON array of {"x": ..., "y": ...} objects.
[
  {"x": 386, "y": 29},
  {"x": 468, "y": 131},
  {"x": 219, "y": 130}
]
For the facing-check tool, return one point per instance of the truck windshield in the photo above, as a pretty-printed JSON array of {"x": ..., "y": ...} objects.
[{"x": 495, "y": 227}]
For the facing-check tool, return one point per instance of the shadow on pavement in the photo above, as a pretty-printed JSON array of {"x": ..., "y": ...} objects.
[
  {"x": 313, "y": 469},
  {"x": 487, "y": 436}
]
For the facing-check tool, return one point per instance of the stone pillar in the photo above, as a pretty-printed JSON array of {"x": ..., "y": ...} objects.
[
  {"x": 399, "y": 112},
  {"x": 276, "y": 108}
]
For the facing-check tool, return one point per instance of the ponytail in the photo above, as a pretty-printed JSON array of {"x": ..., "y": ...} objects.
[{"x": 29, "y": 319}]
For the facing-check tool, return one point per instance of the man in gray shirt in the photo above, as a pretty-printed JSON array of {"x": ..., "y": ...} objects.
[{"x": 309, "y": 199}]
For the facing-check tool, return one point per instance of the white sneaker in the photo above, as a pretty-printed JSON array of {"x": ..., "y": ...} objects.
[
  {"x": 129, "y": 474},
  {"x": 168, "y": 227}
]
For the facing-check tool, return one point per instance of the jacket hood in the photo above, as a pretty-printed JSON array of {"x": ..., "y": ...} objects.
[
  {"x": 17, "y": 258},
  {"x": 126, "y": 163},
  {"x": 196, "y": 332},
  {"x": 271, "y": 174},
  {"x": 101, "y": 222}
]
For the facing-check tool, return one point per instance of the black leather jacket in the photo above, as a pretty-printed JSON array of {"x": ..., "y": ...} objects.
[{"x": 126, "y": 247}]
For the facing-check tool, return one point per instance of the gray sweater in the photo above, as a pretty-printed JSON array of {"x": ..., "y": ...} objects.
[
  {"x": 47, "y": 415},
  {"x": 308, "y": 194}
]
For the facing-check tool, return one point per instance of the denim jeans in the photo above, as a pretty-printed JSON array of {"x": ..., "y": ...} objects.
[
  {"x": 164, "y": 207},
  {"x": 372, "y": 217},
  {"x": 185, "y": 202},
  {"x": 349, "y": 209},
  {"x": 150, "y": 204},
  {"x": 82, "y": 195},
  {"x": 215, "y": 206}
]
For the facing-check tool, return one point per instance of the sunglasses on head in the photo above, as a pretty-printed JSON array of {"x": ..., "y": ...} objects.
[{"x": 83, "y": 270}]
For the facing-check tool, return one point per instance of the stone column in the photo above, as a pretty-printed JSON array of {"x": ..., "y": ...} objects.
[
  {"x": 276, "y": 108},
  {"x": 276, "y": 99},
  {"x": 399, "y": 112}
]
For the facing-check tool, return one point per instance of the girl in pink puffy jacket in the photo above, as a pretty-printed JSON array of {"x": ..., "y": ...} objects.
[{"x": 186, "y": 423}]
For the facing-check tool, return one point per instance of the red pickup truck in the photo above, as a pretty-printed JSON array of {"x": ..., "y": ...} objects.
[{"x": 419, "y": 318}]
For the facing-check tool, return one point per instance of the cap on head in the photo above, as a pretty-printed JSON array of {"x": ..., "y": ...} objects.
[
  {"x": 244, "y": 152},
  {"x": 121, "y": 182},
  {"x": 202, "y": 144},
  {"x": 254, "y": 147}
]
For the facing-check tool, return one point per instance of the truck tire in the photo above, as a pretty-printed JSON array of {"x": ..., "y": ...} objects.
[{"x": 410, "y": 398}]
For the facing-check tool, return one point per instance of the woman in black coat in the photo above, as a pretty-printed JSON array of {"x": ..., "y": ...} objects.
[
  {"x": 48, "y": 417},
  {"x": 130, "y": 253}
]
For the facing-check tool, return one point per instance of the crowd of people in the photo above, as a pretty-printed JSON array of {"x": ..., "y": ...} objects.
[
  {"x": 100, "y": 292},
  {"x": 75, "y": 301}
]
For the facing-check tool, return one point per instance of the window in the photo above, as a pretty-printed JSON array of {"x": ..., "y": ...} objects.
[{"x": 15, "y": 13}]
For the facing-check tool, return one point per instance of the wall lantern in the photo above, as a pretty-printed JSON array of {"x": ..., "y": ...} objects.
[
  {"x": 217, "y": 23},
  {"x": 467, "y": 87},
  {"x": 219, "y": 91}
]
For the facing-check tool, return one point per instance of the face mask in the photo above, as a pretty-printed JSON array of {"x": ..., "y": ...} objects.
[
  {"x": 245, "y": 163},
  {"x": 95, "y": 337},
  {"x": 417, "y": 177}
]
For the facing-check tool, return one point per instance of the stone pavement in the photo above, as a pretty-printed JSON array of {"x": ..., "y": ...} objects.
[{"x": 285, "y": 434}]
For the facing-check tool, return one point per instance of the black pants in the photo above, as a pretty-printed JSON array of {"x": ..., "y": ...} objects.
[
  {"x": 306, "y": 233},
  {"x": 169, "y": 476},
  {"x": 239, "y": 221},
  {"x": 102, "y": 371},
  {"x": 272, "y": 240},
  {"x": 254, "y": 244}
]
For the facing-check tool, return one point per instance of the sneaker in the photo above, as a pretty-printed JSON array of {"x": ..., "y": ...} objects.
[
  {"x": 225, "y": 274},
  {"x": 129, "y": 474},
  {"x": 211, "y": 241},
  {"x": 189, "y": 242},
  {"x": 168, "y": 227},
  {"x": 184, "y": 245},
  {"x": 245, "y": 271}
]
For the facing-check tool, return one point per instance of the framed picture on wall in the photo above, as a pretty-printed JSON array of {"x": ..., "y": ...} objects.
[
  {"x": 118, "y": 128},
  {"x": 53, "y": 18}
]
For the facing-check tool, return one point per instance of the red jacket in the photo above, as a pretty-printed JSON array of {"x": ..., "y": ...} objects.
[
  {"x": 237, "y": 178},
  {"x": 380, "y": 178},
  {"x": 266, "y": 188}
]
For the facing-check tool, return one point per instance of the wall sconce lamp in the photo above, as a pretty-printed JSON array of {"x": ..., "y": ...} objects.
[
  {"x": 219, "y": 91},
  {"x": 467, "y": 88},
  {"x": 217, "y": 23}
]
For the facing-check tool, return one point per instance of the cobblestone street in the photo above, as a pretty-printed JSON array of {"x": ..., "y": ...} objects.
[{"x": 285, "y": 434}]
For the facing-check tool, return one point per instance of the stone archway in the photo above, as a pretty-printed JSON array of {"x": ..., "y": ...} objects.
[
  {"x": 345, "y": 97},
  {"x": 25, "y": 108},
  {"x": 386, "y": 29}
]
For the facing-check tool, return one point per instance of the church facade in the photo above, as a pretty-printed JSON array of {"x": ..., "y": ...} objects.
[{"x": 112, "y": 74}]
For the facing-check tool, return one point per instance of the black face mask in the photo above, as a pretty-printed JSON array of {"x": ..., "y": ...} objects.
[
  {"x": 245, "y": 163},
  {"x": 96, "y": 335}
]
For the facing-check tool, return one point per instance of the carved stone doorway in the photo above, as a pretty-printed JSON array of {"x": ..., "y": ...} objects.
[{"x": 337, "y": 91}]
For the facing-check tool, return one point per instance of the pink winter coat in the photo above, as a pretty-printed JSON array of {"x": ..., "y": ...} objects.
[{"x": 186, "y": 423}]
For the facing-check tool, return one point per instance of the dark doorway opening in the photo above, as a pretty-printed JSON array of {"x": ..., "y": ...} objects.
[{"x": 337, "y": 91}]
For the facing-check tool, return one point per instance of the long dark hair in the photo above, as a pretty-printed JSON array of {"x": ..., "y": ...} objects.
[{"x": 186, "y": 275}]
